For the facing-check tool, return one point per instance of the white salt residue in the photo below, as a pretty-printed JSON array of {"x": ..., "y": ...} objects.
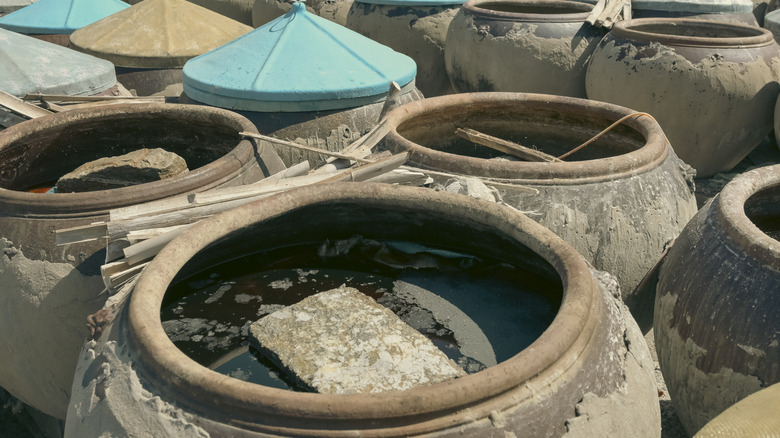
[
  {"x": 266, "y": 309},
  {"x": 281, "y": 284},
  {"x": 245, "y": 298},
  {"x": 219, "y": 293},
  {"x": 303, "y": 274}
]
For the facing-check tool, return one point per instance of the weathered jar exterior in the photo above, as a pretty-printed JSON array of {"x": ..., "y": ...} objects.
[
  {"x": 418, "y": 31},
  {"x": 754, "y": 415},
  {"x": 520, "y": 45},
  {"x": 716, "y": 324},
  {"x": 711, "y": 86},
  {"x": 581, "y": 363},
  {"x": 619, "y": 204},
  {"x": 47, "y": 291}
]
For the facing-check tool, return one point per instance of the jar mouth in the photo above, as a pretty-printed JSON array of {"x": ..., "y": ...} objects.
[
  {"x": 46, "y": 148},
  {"x": 552, "y": 124},
  {"x": 749, "y": 212},
  {"x": 417, "y": 410},
  {"x": 689, "y": 32},
  {"x": 530, "y": 10}
]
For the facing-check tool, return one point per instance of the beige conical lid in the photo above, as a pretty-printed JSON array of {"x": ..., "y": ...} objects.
[{"x": 157, "y": 34}]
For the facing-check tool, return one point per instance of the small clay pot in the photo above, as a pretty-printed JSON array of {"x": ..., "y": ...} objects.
[
  {"x": 416, "y": 30},
  {"x": 590, "y": 359},
  {"x": 712, "y": 86},
  {"x": 49, "y": 290},
  {"x": 716, "y": 325},
  {"x": 520, "y": 45},
  {"x": 619, "y": 201}
]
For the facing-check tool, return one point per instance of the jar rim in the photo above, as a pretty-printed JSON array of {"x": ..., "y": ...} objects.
[{"x": 634, "y": 30}]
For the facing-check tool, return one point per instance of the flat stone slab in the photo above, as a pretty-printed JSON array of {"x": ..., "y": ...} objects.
[
  {"x": 137, "y": 167},
  {"x": 342, "y": 342}
]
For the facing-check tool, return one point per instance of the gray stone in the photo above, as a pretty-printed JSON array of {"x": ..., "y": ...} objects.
[
  {"x": 137, "y": 167},
  {"x": 341, "y": 341}
]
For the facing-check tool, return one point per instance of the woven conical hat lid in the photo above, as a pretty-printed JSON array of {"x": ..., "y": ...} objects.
[
  {"x": 29, "y": 65},
  {"x": 157, "y": 34}
]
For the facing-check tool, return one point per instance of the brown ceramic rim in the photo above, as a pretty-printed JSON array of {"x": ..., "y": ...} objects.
[
  {"x": 482, "y": 8},
  {"x": 652, "y": 154},
  {"x": 441, "y": 405},
  {"x": 88, "y": 203},
  {"x": 754, "y": 36},
  {"x": 730, "y": 209}
]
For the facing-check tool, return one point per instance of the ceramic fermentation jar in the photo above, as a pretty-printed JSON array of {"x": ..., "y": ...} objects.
[
  {"x": 712, "y": 86},
  {"x": 520, "y": 45}
]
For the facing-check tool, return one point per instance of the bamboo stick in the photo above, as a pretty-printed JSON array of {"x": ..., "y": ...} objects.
[
  {"x": 505, "y": 146},
  {"x": 302, "y": 147}
]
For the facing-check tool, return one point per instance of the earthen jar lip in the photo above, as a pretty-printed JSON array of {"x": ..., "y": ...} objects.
[
  {"x": 754, "y": 36},
  {"x": 89, "y": 203},
  {"x": 654, "y": 152},
  {"x": 417, "y": 410},
  {"x": 482, "y": 8},
  {"x": 730, "y": 208}
]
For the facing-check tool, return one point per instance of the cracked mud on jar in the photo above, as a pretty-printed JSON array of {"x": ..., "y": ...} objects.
[{"x": 478, "y": 311}]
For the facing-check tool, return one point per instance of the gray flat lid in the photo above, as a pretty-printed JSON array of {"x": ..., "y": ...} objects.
[{"x": 29, "y": 65}]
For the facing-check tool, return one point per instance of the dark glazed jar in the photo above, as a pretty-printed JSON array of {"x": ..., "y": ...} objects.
[
  {"x": 712, "y": 86},
  {"x": 580, "y": 363},
  {"x": 619, "y": 201},
  {"x": 716, "y": 324},
  {"x": 520, "y": 45},
  {"x": 47, "y": 290}
]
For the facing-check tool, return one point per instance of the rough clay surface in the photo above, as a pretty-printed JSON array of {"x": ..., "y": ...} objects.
[
  {"x": 342, "y": 342},
  {"x": 699, "y": 396},
  {"x": 714, "y": 111},
  {"x": 602, "y": 220},
  {"x": 108, "y": 391},
  {"x": 530, "y": 57},
  {"x": 43, "y": 310},
  {"x": 137, "y": 167},
  {"x": 418, "y": 32},
  {"x": 636, "y": 393}
]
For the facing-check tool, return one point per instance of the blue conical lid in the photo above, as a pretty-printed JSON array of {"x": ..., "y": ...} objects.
[
  {"x": 59, "y": 16},
  {"x": 29, "y": 65},
  {"x": 7, "y": 6},
  {"x": 298, "y": 62}
]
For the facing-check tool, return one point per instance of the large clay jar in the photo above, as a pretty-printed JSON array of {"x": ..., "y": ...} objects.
[
  {"x": 48, "y": 291},
  {"x": 619, "y": 201},
  {"x": 587, "y": 374},
  {"x": 716, "y": 328},
  {"x": 417, "y": 28},
  {"x": 520, "y": 45},
  {"x": 731, "y": 11},
  {"x": 239, "y": 10},
  {"x": 712, "y": 86}
]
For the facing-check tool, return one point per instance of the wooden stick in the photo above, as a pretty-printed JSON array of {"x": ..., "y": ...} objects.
[
  {"x": 363, "y": 173},
  {"x": 390, "y": 101},
  {"x": 66, "y": 98},
  {"x": 595, "y": 12},
  {"x": 20, "y": 107},
  {"x": 147, "y": 249},
  {"x": 360, "y": 148},
  {"x": 604, "y": 131},
  {"x": 300, "y": 146},
  {"x": 84, "y": 233},
  {"x": 505, "y": 146}
]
